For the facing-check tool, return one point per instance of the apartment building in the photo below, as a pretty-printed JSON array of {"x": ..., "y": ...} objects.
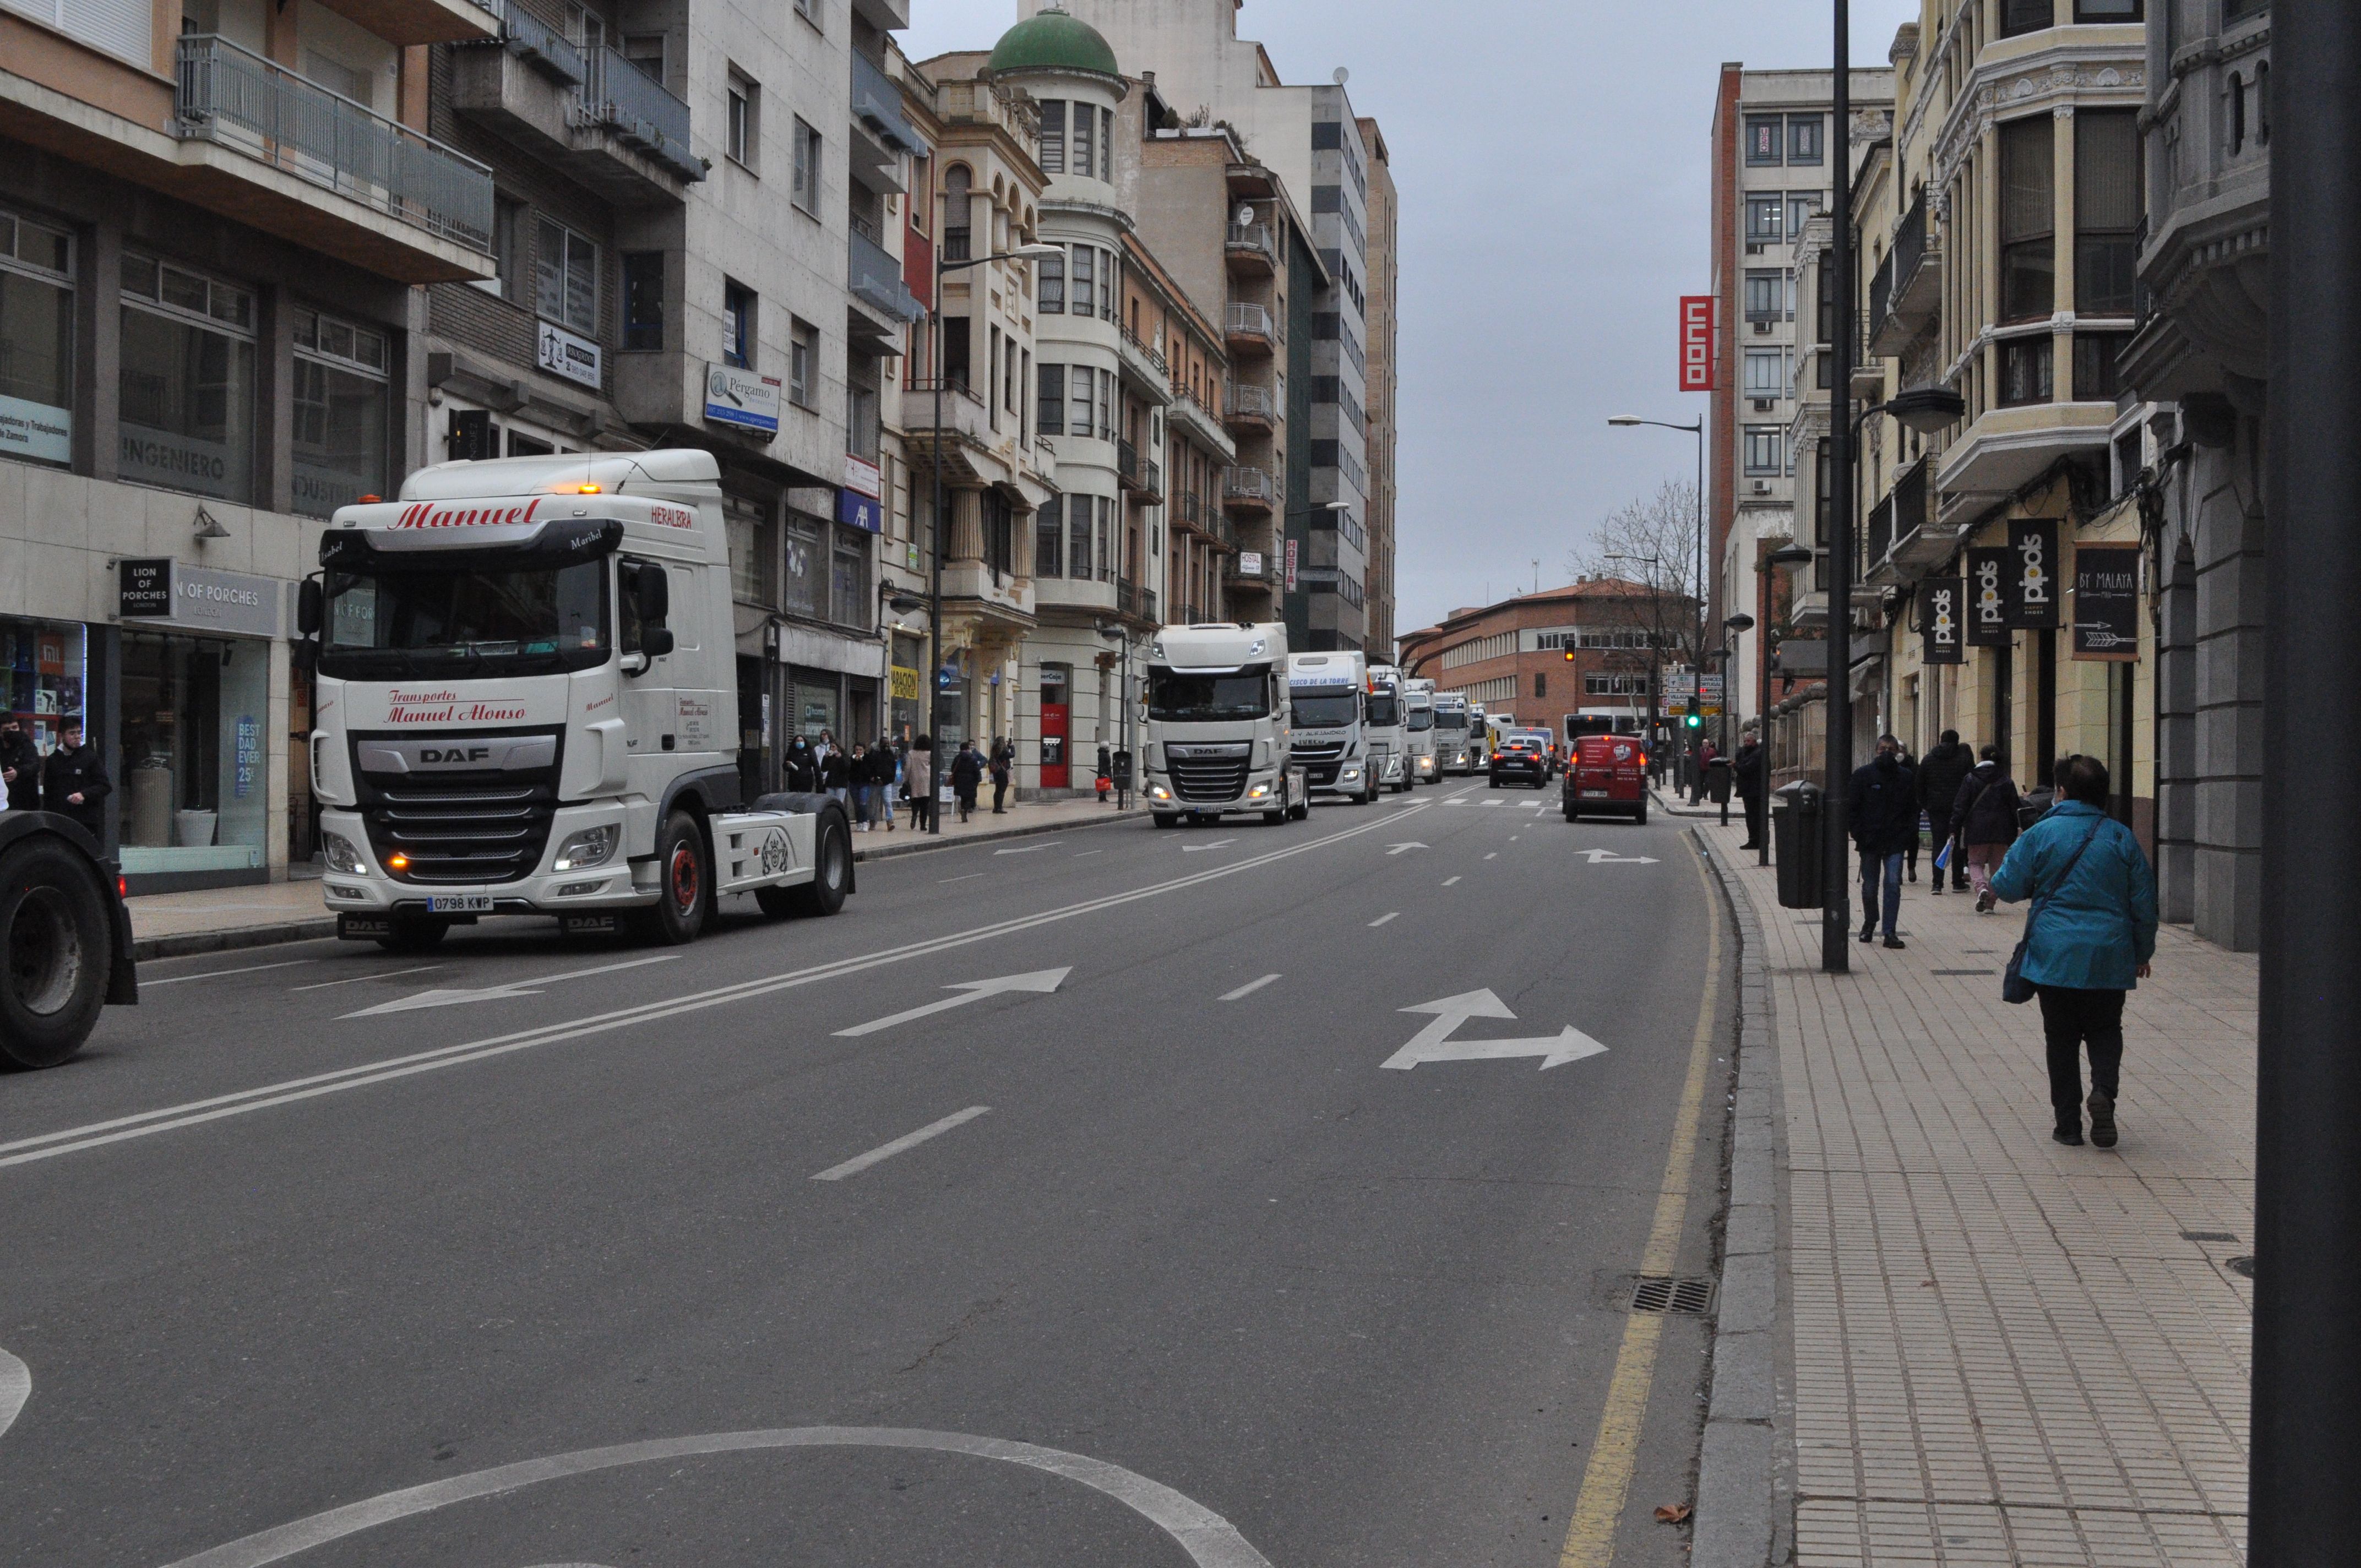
[
  {"x": 2205, "y": 324},
  {"x": 1309, "y": 137},
  {"x": 1384, "y": 288},
  {"x": 1511, "y": 656},
  {"x": 1777, "y": 155},
  {"x": 212, "y": 221},
  {"x": 1996, "y": 236}
]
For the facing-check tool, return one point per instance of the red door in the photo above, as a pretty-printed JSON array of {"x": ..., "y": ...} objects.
[{"x": 1055, "y": 773}]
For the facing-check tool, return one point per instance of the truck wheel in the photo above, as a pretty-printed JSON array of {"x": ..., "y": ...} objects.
[
  {"x": 831, "y": 874},
  {"x": 1166, "y": 818},
  {"x": 58, "y": 953},
  {"x": 684, "y": 884},
  {"x": 412, "y": 934}
]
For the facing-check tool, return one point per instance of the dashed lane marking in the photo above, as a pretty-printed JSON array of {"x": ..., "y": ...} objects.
[
  {"x": 1394, "y": 915},
  {"x": 219, "y": 973},
  {"x": 373, "y": 974},
  {"x": 1449, "y": 879},
  {"x": 1248, "y": 989},
  {"x": 887, "y": 1151}
]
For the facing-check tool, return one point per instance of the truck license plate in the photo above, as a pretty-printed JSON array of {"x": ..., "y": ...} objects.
[
  {"x": 460, "y": 904},
  {"x": 1594, "y": 795}
]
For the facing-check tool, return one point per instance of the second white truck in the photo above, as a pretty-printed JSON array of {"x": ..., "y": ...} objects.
[
  {"x": 1418, "y": 726},
  {"x": 1389, "y": 729},
  {"x": 1328, "y": 700}
]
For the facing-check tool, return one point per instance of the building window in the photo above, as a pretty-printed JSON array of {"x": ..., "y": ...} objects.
[
  {"x": 568, "y": 282},
  {"x": 2024, "y": 371},
  {"x": 1762, "y": 138},
  {"x": 754, "y": 539},
  {"x": 741, "y": 129},
  {"x": 1541, "y": 682},
  {"x": 2106, "y": 211},
  {"x": 2028, "y": 217},
  {"x": 810, "y": 11},
  {"x": 1106, "y": 405},
  {"x": 1106, "y": 540},
  {"x": 1050, "y": 538},
  {"x": 1049, "y": 285},
  {"x": 855, "y": 605},
  {"x": 1106, "y": 145},
  {"x": 1050, "y": 400},
  {"x": 340, "y": 406},
  {"x": 2096, "y": 380},
  {"x": 508, "y": 226},
  {"x": 1053, "y": 136},
  {"x": 803, "y": 586},
  {"x": 959, "y": 205},
  {"x": 737, "y": 339},
  {"x": 643, "y": 283},
  {"x": 1764, "y": 216},
  {"x": 1614, "y": 685},
  {"x": 1823, "y": 492},
  {"x": 1107, "y": 275},
  {"x": 1765, "y": 449},
  {"x": 2025, "y": 17},
  {"x": 1078, "y": 538},
  {"x": 187, "y": 382},
  {"x": 802, "y": 365},
  {"x": 2112, "y": 10},
  {"x": 1766, "y": 373},
  {"x": 1801, "y": 205},
  {"x": 1086, "y": 276},
  {"x": 1082, "y": 424},
  {"x": 1085, "y": 130},
  {"x": 1765, "y": 295},
  {"x": 36, "y": 341},
  {"x": 805, "y": 193},
  {"x": 1803, "y": 139}
]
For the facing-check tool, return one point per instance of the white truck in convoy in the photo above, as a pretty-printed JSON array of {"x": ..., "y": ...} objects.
[
  {"x": 1388, "y": 727},
  {"x": 1418, "y": 725},
  {"x": 527, "y": 705},
  {"x": 1219, "y": 736},
  {"x": 1327, "y": 696},
  {"x": 1452, "y": 747}
]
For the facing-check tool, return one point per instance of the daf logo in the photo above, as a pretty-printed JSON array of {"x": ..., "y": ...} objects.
[{"x": 453, "y": 757}]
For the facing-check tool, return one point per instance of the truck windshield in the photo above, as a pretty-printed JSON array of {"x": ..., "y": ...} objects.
[
  {"x": 1385, "y": 710},
  {"x": 1446, "y": 720},
  {"x": 1323, "y": 707},
  {"x": 1421, "y": 718},
  {"x": 385, "y": 620},
  {"x": 1177, "y": 698}
]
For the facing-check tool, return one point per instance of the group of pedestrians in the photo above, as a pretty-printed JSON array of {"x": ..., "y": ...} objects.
[
  {"x": 69, "y": 780},
  {"x": 870, "y": 781}
]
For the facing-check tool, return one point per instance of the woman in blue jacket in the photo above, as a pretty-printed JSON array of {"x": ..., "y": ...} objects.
[{"x": 2087, "y": 942}]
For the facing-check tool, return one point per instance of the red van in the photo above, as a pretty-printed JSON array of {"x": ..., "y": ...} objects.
[{"x": 1608, "y": 773}]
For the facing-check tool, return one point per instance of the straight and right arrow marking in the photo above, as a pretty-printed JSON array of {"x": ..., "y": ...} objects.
[{"x": 1433, "y": 1043}]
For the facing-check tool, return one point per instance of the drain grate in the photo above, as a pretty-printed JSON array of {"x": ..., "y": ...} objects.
[
  {"x": 1656, "y": 1293},
  {"x": 2207, "y": 1236}
]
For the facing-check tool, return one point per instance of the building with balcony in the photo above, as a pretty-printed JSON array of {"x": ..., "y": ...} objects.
[
  {"x": 2203, "y": 314},
  {"x": 1776, "y": 158},
  {"x": 212, "y": 219},
  {"x": 1384, "y": 288}
]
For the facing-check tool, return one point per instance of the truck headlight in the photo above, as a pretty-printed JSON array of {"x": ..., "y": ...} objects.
[
  {"x": 1258, "y": 791},
  {"x": 1157, "y": 791},
  {"x": 591, "y": 847},
  {"x": 1352, "y": 773},
  {"x": 342, "y": 856}
]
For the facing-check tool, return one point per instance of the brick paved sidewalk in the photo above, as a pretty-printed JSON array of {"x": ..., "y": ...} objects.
[{"x": 2008, "y": 1350}]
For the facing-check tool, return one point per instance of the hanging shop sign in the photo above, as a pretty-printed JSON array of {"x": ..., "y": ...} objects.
[
  {"x": 570, "y": 354},
  {"x": 1697, "y": 343},
  {"x": 2106, "y": 602},
  {"x": 741, "y": 398},
  {"x": 1987, "y": 598},
  {"x": 1940, "y": 621},
  {"x": 2034, "y": 583},
  {"x": 857, "y": 510},
  {"x": 143, "y": 589},
  {"x": 861, "y": 474}
]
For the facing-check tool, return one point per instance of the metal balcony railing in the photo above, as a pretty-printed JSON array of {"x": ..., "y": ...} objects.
[
  {"x": 231, "y": 96},
  {"x": 1192, "y": 508},
  {"x": 1256, "y": 238},
  {"x": 1126, "y": 461},
  {"x": 877, "y": 103},
  {"x": 1152, "y": 477},
  {"x": 537, "y": 43},
  {"x": 1248, "y": 401},
  {"x": 1881, "y": 296},
  {"x": 876, "y": 279},
  {"x": 1910, "y": 241},
  {"x": 1244, "y": 316},
  {"x": 640, "y": 109},
  {"x": 1248, "y": 484}
]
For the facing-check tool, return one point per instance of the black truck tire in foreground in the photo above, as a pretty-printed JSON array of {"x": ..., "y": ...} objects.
[{"x": 67, "y": 935}]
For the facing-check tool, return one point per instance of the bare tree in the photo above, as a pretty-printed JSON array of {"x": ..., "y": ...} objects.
[{"x": 1652, "y": 541}]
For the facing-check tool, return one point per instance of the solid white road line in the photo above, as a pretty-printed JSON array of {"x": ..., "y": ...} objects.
[
  {"x": 969, "y": 877},
  {"x": 374, "y": 974},
  {"x": 218, "y": 973},
  {"x": 1449, "y": 879},
  {"x": 16, "y": 1388},
  {"x": 1248, "y": 989},
  {"x": 1029, "y": 849},
  {"x": 1381, "y": 919},
  {"x": 884, "y": 1152},
  {"x": 503, "y": 992},
  {"x": 139, "y": 1125},
  {"x": 1079, "y": 854}
]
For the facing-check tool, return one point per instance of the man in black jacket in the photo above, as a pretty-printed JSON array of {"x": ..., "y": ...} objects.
[
  {"x": 1940, "y": 774},
  {"x": 74, "y": 780},
  {"x": 1750, "y": 770},
  {"x": 21, "y": 765},
  {"x": 1882, "y": 812}
]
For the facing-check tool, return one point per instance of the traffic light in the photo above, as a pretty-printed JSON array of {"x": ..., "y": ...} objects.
[
  {"x": 1569, "y": 655},
  {"x": 1693, "y": 719}
]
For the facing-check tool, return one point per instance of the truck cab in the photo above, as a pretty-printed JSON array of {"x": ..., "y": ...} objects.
[
  {"x": 1388, "y": 728},
  {"x": 1451, "y": 734},
  {"x": 1418, "y": 725},
  {"x": 1219, "y": 731},
  {"x": 1327, "y": 698}
]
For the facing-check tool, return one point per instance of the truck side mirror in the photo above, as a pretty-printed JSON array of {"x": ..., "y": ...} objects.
[
  {"x": 307, "y": 607},
  {"x": 656, "y": 641},
  {"x": 651, "y": 594}
]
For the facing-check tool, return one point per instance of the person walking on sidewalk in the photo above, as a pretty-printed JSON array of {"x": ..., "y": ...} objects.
[
  {"x": 889, "y": 773},
  {"x": 74, "y": 780},
  {"x": 1004, "y": 762},
  {"x": 802, "y": 774},
  {"x": 836, "y": 775},
  {"x": 919, "y": 782},
  {"x": 2089, "y": 940},
  {"x": 967, "y": 775},
  {"x": 1751, "y": 771},
  {"x": 1940, "y": 774},
  {"x": 1983, "y": 819},
  {"x": 1883, "y": 813},
  {"x": 21, "y": 765}
]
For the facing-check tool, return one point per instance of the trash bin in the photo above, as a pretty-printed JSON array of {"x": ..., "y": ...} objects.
[
  {"x": 1795, "y": 829},
  {"x": 1120, "y": 770},
  {"x": 1717, "y": 780}
]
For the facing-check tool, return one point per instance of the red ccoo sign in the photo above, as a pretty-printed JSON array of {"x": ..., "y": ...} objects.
[{"x": 1697, "y": 364}]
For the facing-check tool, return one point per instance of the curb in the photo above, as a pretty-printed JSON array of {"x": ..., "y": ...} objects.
[
  {"x": 184, "y": 944},
  {"x": 1745, "y": 1491}
]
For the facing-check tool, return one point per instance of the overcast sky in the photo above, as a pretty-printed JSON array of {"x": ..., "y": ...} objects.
[{"x": 1552, "y": 163}]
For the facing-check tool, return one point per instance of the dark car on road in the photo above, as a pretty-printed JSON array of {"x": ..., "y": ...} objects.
[{"x": 1522, "y": 757}]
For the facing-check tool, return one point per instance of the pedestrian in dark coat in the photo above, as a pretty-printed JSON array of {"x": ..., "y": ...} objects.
[
  {"x": 1750, "y": 774},
  {"x": 1940, "y": 774},
  {"x": 74, "y": 780},
  {"x": 967, "y": 777},
  {"x": 1882, "y": 811},
  {"x": 835, "y": 776},
  {"x": 1003, "y": 765},
  {"x": 21, "y": 765},
  {"x": 1983, "y": 818},
  {"x": 2087, "y": 942},
  {"x": 801, "y": 774}
]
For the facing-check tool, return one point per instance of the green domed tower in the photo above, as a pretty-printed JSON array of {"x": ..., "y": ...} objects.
[{"x": 1053, "y": 40}]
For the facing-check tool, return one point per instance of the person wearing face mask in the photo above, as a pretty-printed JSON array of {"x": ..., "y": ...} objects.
[
  {"x": 21, "y": 765},
  {"x": 1882, "y": 810}
]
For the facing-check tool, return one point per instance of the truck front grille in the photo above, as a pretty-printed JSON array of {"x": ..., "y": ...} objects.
[
  {"x": 450, "y": 832},
  {"x": 1208, "y": 774}
]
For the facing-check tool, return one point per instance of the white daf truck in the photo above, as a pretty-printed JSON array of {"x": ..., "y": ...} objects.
[
  {"x": 1418, "y": 725},
  {"x": 1327, "y": 696},
  {"x": 1389, "y": 729},
  {"x": 1220, "y": 741},
  {"x": 528, "y": 706}
]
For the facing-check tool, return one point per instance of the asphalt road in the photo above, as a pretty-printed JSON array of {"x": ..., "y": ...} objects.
[{"x": 510, "y": 1254}]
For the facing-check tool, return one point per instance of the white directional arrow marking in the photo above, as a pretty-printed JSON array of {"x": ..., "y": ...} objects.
[
  {"x": 1040, "y": 980},
  {"x": 1399, "y": 849},
  {"x": 1433, "y": 1043},
  {"x": 452, "y": 997},
  {"x": 1200, "y": 848},
  {"x": 1608, "y": 857}
]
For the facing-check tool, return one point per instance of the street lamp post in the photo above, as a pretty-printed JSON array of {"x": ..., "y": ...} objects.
[
  {"x": 1836, "y": 874},
  {"x": 935, "y": 529}
]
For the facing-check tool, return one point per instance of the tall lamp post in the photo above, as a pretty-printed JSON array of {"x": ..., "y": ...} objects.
[{"x": 941, "y": 771}]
